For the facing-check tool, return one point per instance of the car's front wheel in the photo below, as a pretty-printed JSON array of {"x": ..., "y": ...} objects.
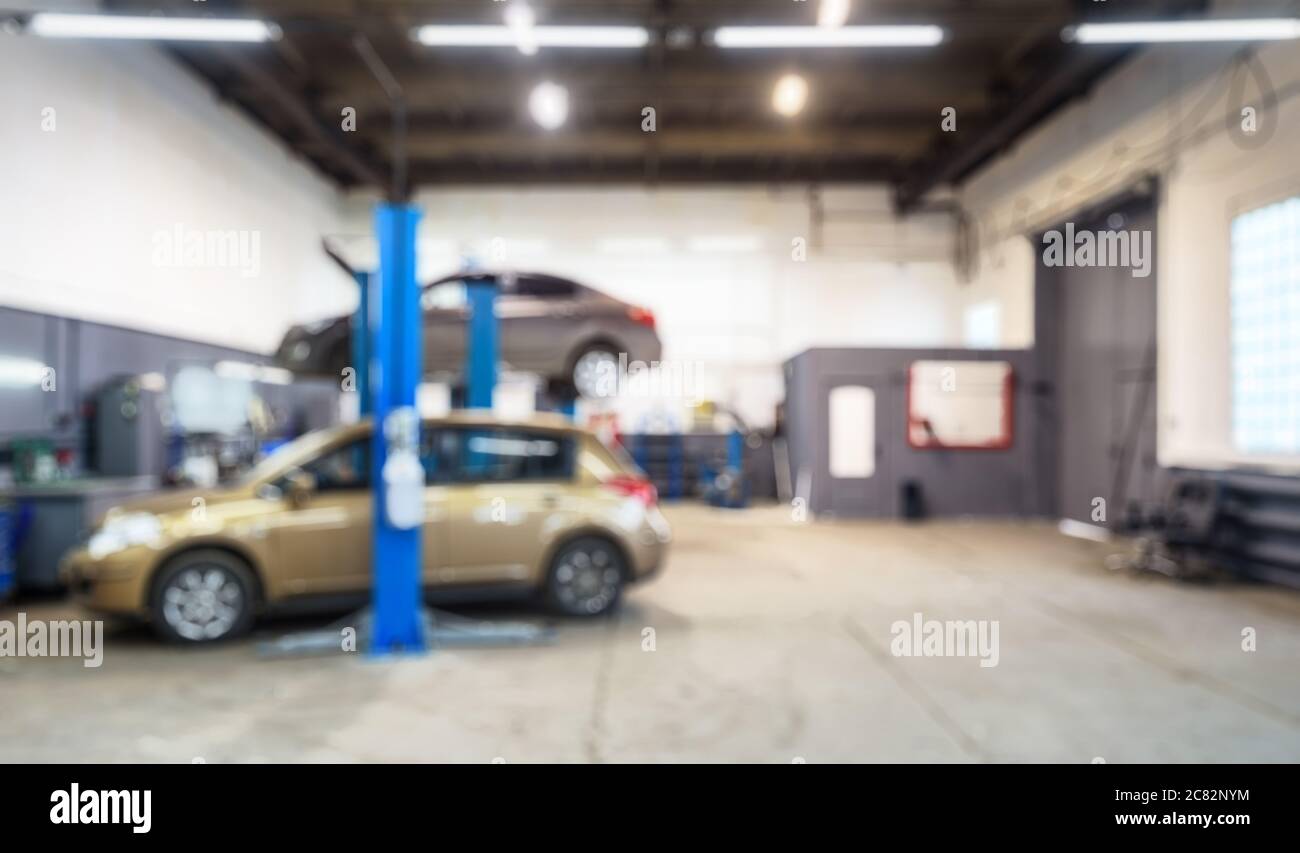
[
  {"x": 586, "y": 577},
  {"x": 202, "y": 597}
]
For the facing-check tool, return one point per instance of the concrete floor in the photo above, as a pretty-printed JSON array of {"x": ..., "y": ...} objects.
[{"x": 772, "y": 644}]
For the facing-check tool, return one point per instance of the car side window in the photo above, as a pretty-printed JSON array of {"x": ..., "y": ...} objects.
[
  {"x": 343, "y": 468},
  {"x": 498, "y": 455},
  {"x": 544, "y": 288},
  {"x": 437, "y": 455}
]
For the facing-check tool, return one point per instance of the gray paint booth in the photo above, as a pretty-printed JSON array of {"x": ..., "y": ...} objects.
[{"x": 1017, "y": 481}]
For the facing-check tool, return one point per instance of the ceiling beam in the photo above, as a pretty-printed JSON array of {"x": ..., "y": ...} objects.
[
  {"x": 477, "y": 89},
  {"x": 668, "y": 171},
  {"x": 722, "y": 142},
  {"x": 514, "y": 123},
  {"x": 294, "y": 108}
]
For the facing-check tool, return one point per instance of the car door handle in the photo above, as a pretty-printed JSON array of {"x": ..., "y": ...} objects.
[{"x": 550, "y": 500}]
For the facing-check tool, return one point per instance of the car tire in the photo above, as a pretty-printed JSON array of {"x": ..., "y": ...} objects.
[
  {"x": 586, "y": 371},
  {"x": 203, "y": 596},
  {"x": 340, "y": 360},
  {"x": 586, "y": 577}
]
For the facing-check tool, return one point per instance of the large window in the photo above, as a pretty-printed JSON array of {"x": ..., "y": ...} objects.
[{"x": 1266, "y": 329}]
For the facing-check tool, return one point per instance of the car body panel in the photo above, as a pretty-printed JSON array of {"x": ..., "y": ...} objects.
[
  {"x": 323, "y": 546},
  {"x": 475, "y": 534}
]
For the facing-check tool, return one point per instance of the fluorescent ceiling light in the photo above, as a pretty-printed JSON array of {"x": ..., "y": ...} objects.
[
  {"x": 790, "y": 95},
  {"x": 1252, "y": 29},
  {"x": 21, "y": 371},
  {"x": 505, "y": 36},
  {"x": 54, "y": 25},
  {"x": 245, "y": 372},
  {"x": 236, "y": 370},
  {"x": 833, "y": 13},
  {"x": 886, "y": 36},
  {"x": 276, "y": 376}
]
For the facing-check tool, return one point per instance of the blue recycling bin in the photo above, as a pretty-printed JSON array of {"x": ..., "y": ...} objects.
[{"x": 8, "y": 535}]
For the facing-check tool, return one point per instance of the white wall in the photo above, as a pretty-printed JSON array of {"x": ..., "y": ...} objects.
[
  {"x": 1165, "y": 112},
  {"x": 140, "y": 146},
  {"x": 715, "y": 264}
]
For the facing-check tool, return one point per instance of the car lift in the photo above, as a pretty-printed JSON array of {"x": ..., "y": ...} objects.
[
  {"x": 388, "y": 353},
  {"x": 386, "y": 345}
]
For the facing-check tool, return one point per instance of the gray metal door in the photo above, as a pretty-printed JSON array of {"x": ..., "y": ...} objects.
[
  {"x": 1106, "y": 384},
  {"x": 856, "y": 479}
]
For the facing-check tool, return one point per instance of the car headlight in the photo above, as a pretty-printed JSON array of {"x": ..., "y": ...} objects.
[{"x": 123, "y": 531}]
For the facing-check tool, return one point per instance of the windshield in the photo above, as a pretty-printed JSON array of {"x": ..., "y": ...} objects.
[{"x": 296, "y": 452}]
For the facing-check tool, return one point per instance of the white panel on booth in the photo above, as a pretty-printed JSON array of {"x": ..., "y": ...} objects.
[{"x": 852, "y": 432}]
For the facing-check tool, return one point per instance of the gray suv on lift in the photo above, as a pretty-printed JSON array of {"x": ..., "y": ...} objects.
[{"x": 565, "y": 332}]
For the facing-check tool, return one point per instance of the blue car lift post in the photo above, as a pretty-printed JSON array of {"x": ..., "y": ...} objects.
[
  {"x": 482, "y": 341},
  {"x": 395, "y": 372}
]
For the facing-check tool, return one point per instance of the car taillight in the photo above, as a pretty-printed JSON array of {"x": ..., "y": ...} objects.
[
  {"x": 634, "y": 487},
  {"x": 644, "y": 316}
]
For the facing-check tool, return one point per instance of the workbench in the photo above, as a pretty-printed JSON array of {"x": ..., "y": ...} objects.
[{"x": 58, "y": 515}]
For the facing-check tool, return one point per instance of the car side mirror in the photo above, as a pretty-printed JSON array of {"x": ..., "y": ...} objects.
[{"x": 298, "y": 487}]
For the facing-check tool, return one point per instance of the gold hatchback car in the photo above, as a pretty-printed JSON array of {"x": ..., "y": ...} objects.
[{"x": 536, "y": 506}]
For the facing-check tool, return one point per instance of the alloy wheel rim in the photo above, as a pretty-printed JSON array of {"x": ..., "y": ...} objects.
[
  {"x": 587, "y": 579},
  {"x": 203, "y": 603}
]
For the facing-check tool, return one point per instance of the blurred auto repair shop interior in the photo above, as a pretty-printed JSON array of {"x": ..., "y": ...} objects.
[{"x": 638, "y": 380}]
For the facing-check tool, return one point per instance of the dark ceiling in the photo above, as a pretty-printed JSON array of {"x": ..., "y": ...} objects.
[{"x": 873, "y": 115}]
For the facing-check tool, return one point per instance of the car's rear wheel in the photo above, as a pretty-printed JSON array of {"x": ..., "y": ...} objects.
[
  {"x": 203, "y": 597},
  {"x": 595, "y": 372},
  {"x": 586, "y": 577}
]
